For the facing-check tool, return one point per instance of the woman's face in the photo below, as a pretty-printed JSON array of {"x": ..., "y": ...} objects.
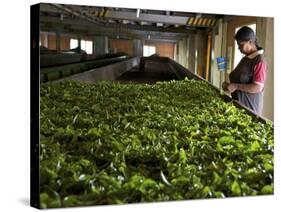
[{"x": 245, "y": 47}]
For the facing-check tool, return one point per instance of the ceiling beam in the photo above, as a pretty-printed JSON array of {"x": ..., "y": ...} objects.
[
  {"x": 48, "y": 8},
  {"x": 87, "y": 24},
  {"x": 165, "y": 19},
  {"x": 101, "y": 16},
  {"x": 90, "y": 33},
  {"x": 129, "y": 35}
]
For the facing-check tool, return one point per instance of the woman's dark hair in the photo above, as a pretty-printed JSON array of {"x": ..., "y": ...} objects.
[{"x": 246, "y": 34}]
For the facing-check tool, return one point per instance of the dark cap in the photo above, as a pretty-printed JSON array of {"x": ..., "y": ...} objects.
[{"x": 245, "y": 34}]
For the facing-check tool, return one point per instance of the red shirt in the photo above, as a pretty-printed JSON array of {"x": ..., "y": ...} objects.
[{"x": 259, "y": 73}]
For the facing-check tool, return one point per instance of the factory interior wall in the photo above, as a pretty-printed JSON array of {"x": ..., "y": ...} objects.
[
  {"x": 65, "y": 43},
  {"x": 52, "y": 42},
  {"x": 118, "y": 45},
  {"x": 187, "y": 52},
  {"x": 162, "y": 49},
  {"x": 44, "y": 39},
  {"x": 100, "y": 45},
  {"x": 215, "y": 75},
  {"x": 265, "y": 34},
  {"x": 49, "y": 40},
  {"x": 138, "y": 48},
  {"x": 183, "y": 53},
  {"x": 208, "y": 56},
  {"x": 175, "y": 52},
  {"x": 201, "y": 55},
  {"x": 180, "y": 50},
  {"x": 193, "y": 53}
]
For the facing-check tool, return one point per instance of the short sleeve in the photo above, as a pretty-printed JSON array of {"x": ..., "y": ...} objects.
[{"x": 260, "y": 73}]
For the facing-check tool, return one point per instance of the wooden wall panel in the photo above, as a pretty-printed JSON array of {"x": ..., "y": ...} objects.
[{"x": 118, "y": 45}]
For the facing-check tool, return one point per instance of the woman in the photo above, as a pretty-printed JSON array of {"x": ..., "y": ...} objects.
[{"x": 248, "y": 78}]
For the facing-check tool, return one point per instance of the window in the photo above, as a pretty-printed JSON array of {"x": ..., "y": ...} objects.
[
  {"x": 148, "y": 50},
  {"x": 73, "y": 43},
  {"x": 237, "y": 54},
  {"x": 87, "y": 46}
]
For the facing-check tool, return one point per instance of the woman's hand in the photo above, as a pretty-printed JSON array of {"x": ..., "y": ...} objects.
[
  {"x": 224, "y": 86},
  {"x": 249, "y": 88},
  {"x": 231, "y": 87}
]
